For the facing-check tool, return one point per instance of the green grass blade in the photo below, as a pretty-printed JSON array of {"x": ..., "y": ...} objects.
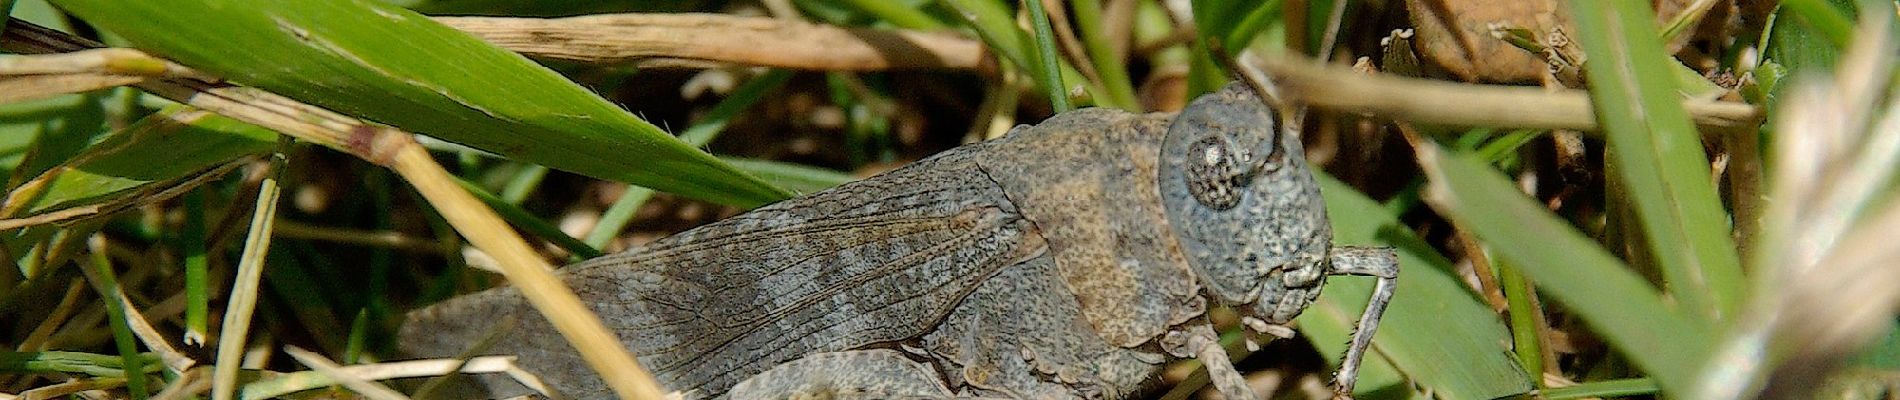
[
  {"x": 1823, "y": 17},
  {"x": 996, "y": 26},
  {"x": 523, "y": 184},
  {"x": 1437, "y": 332},
  {"x": 99, "y": 272},
  {"x": 797, "y": 177},
  {"x": 708, "y": 127},
  {"x": 1518, "y": 295},
  {"x": 1111, "y": 67},
  {"x": 528, "y": 222},
  {"x": 1660, "y": 156},
  {"x": 6, "y": 8},
  {"x": 617, "y": 216},
  {"x": 197, "y": 269},
  {"x": 1046, "y": 60},
  {"x": 394, "y": 66},
  {"x": 700, "y": 134},
  {"x": 1568, "y": 266},
  {"x": 169, "y": 145},
  {"x": 897, "y": 13},
  {"x": 40, "y": 362}
]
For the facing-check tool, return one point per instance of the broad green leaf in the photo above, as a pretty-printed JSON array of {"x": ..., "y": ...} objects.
[
  {"x": 1809, "y": 35},
  {"x": 1568, "y": 267},
  {"x": 1437, "y": 332},
  {"x": 21, "y": 122},
  {"x": 159, "y": 149},
  {"x": 61, "y": 136},
  {"x": 394, "y": 66},
  {"x": 1660, "y": 157}
]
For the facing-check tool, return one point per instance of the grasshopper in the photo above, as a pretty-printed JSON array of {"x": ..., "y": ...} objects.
[{"x": 1069, "y": 259}]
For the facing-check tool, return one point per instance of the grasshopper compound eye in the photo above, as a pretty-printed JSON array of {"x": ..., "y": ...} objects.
[
  {"x": 1238, "y": 196},
  {"x": 1247, "y": 212}
]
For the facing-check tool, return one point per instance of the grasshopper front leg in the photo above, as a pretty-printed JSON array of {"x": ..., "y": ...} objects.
[{"x": 1380, "y": 262}]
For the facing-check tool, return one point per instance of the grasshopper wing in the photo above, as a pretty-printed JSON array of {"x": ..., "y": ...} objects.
[{"x": 872, "y": 262}]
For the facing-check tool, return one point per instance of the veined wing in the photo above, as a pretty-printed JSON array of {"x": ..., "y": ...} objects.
[{"x": 870, "y": 262}]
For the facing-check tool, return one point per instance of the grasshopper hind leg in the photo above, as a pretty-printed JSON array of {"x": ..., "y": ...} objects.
[{"x": 1379, "y": 262}]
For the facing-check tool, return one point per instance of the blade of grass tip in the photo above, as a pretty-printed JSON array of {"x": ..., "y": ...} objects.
[
  {"x": 523, "y": 184},
  {"x": 1251, "y": 25},
  {"x": 714, "y": 121},
  {"x": 1525, "y": 331},
  {"x": 522, "y": 218},
  {"x": 357, "y": 384},
  {"x": 796, "y": 177},
  {"x": 702, "y": 132},
  {"x": 1569, "y": 267},
  {"x": 99, "y": 272},
  {"x": 1660, "y": 152},
  {"x": 359, "y": 333},
  {"x": 897, "y": 14},
  {"x": 1611, "y": 388},
  {"x": 1109, "y": 65},
  {"x": 197, "y": 269},
  {"x": 1046, "y": 56},
  {"x": 243, "y": 300},
  {"x": 617, "y": 216},
  {"x": 1830, "y": 21}
]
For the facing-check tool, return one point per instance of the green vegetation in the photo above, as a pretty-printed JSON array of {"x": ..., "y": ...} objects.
[{"x": 1658, "y": 255}]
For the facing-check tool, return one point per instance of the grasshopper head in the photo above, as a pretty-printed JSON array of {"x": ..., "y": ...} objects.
[{"x": 1243, "y": 205}]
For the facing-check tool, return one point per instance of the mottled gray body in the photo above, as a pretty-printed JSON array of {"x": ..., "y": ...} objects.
[{"x": 1057, "y": 262}]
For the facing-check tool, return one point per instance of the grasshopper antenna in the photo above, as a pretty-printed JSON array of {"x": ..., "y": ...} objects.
[{"x": 1380, "y": 262}]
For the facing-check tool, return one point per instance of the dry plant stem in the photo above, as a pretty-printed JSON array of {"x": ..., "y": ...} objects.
[
  {"x": 1745, "y": 185},
  {"x": 174, "y": 360},
  {"x": 358, "y": 384},
  {"x": 105, "y": 61},
  {"x": 383, "y": 238},
  {"x": 526, "y": 270},
  {"x": 1436, "y": 102},
  {"x": 63, "y": 389},
  {"x": 300, "y": 381},
  {"x": 37, "y": 338},
  {"x": 398, "y": 151},
  {"x": 1065, "y": 36},
  {"x": 725, "y": 39},
  {"x": 29, "y": 77},
  {"x": 188, "y": 385},
  {"x": 250, "y": 271}
]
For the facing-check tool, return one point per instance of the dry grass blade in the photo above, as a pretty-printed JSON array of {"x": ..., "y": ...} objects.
[
  {"x": 250, "y": 271},
  {"x": 187, "y": 386},
  {"x": 356, "y": 383},
  {"x": 1826, "y": 257},
  {"x": 398, "y": 151},
  {"x": 174, "y": 360},
  {"x": 711, "y": 39},
  {"x": 1437, "y": 102},
  {"x": 31, "y": 77},
  {"x": 300, "y": 381},
  {"x": 68, "y": 388},
  {"x": 15, "y": 89}
]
